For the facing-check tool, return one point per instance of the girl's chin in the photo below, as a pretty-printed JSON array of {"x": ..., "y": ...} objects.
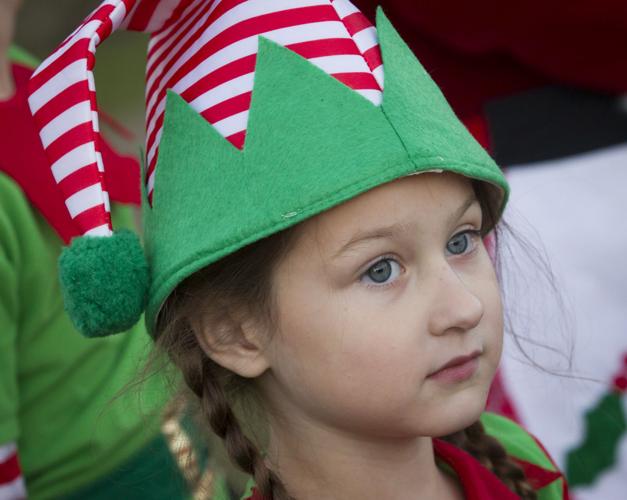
[{"x": 461, "y": 411}]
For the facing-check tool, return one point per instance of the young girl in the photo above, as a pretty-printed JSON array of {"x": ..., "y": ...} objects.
[{"x": 314, "y": 217}]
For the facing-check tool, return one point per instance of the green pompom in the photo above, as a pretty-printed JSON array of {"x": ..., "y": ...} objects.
[{"x": 104, "y": 282}]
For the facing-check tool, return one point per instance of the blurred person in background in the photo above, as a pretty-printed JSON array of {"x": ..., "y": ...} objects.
[
  {"x": 72, "y": 424},
  {"x": 542, "y": 86}
]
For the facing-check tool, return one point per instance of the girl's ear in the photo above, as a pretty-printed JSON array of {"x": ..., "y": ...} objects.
[{"x": 235, "y": 343}]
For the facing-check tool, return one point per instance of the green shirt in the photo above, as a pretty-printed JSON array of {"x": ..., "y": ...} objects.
[{"x": 59, "y": 392}]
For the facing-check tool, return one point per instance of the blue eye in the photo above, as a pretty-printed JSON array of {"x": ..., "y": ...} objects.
[
  {"x": 462, "y": 242},
  {"x": 382, "y": 272}
]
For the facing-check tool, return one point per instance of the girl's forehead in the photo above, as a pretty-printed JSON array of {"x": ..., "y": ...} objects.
[
  {"x": 406, "y": 203},
  {"x": 423, "y": 195}
]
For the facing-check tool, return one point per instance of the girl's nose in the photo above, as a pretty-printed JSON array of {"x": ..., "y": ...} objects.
[{"x": 455, "y": 307}]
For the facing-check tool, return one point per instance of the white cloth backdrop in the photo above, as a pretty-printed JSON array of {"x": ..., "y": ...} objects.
[{"x": 574, "y": 211}]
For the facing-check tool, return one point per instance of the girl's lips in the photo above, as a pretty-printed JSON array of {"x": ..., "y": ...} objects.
[{"x": 458, "y": 369}]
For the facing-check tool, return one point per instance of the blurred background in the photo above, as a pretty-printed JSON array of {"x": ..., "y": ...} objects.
[{"x": 42, "y": 25}]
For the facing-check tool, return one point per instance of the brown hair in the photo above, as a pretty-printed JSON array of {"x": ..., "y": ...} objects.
[{"x": 243, "y": 279}]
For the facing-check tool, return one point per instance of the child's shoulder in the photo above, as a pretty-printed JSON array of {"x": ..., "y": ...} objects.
[
  {"x": 535, "y": 461},
  {"x": 517, "y": 441}
]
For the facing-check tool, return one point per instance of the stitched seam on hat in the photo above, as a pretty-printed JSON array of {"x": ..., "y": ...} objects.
[{"x": 400, "y": 138}]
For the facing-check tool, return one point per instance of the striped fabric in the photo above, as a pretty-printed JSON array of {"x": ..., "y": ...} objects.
[
  {"x": 205, "y": 51},
  {"x": 11, "y": 480}
]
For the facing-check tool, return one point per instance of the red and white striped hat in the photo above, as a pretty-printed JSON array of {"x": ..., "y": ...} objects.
[
  {"x": 205, "y": 51},
  {"x": 314, "y": 140}
]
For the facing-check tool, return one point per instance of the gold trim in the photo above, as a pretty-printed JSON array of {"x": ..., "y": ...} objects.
[{"x": 182, "y": 449}]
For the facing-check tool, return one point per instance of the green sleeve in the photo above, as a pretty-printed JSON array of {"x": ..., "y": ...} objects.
[{"x": 10, "y": 205}]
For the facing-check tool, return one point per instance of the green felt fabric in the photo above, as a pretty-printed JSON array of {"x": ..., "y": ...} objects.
[
  {"x": 311, "y": 143},
  {"x": 518, "y": 443}
]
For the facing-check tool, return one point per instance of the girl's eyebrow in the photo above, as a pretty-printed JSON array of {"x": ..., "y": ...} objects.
[
  {"x": 394, "y": 230},
  {"x": 378, "y": 233},
  {"x": 471, "y": 200}
]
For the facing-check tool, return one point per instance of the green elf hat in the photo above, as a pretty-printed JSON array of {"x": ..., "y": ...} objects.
[{"x": 259, "y": 115}]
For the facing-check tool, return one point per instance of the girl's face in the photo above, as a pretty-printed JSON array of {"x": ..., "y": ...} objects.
[{"x": 374, "y": 299}]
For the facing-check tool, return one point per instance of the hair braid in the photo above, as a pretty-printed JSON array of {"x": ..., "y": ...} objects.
[
  {"x": 489, "y": 452},
  {"x": 204, "y": 381}
]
